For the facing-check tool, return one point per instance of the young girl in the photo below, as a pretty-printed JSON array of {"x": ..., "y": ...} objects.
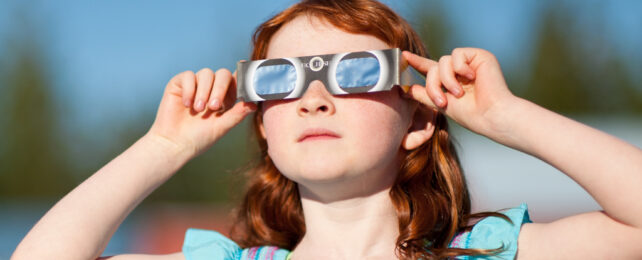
[{"x": 359, "y": 176}]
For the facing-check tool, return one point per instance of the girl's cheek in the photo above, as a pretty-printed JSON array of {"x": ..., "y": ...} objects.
[
  {"x": 376, "y": 125},
  {"x": 275, "y": 124}
]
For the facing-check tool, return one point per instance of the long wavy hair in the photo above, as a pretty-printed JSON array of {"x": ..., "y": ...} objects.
[{"x": 430, "y": 194}]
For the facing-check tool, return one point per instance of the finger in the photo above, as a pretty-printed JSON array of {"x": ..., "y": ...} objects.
[
  {"x": 232, "y": 89},
  {"x": 433, "y": 87},
  {"x": 230, "y": 97},
  {"x": 221, "y": 85},
  {"x": 461, "y": 59},
  {"x": 447, "y": 76},
  {"x": 187, "y": 82},
  {"x": 421, "y": 64},
  {"x": 204, "y": 78}
]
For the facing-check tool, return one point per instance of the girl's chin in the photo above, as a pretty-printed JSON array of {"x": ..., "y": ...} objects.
[
  {"x": 320, "y": 175},
  {"x": 321, "y": 167}
]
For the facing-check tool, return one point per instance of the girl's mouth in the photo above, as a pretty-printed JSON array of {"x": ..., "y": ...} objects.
[{"x": 317, "y": 134}]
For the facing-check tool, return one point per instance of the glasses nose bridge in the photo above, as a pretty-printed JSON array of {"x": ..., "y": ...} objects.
[
  {"x": 319, "y": 78},
  {"x": 317, "y": 70},
  {"x": 317, "y": 86}
]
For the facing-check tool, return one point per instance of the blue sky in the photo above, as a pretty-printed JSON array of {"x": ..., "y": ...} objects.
[{"x": 110, "y": 60}]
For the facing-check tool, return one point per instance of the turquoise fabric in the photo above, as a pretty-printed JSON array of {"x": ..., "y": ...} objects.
[
  {"x": 494, "y": 232},
  {"x": 205, "y": 244},
  {"x": 201, "y": 244},
  {"x": 358, "y": 72},
  {"x": 488, "y": 233}
]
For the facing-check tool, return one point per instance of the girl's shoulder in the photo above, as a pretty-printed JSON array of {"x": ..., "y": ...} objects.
[
  {"x": 489, "y": 233},
  {"x": 494, "y": 232},
  {"x": 201, "y": 244}
]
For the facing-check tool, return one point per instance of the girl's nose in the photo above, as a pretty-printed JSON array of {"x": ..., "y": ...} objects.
[{"x": 316, "y": 101}]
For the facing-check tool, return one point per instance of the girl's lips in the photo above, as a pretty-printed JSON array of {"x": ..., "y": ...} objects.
[{"x": 317, "y": 133}]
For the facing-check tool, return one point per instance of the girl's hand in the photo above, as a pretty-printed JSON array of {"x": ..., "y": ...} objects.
[
  {"x": 476, "y": 96},
  {"x": 193, "y": 112}
]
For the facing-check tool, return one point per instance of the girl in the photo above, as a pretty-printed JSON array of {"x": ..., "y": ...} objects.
[{"x": 359, "y": 176}]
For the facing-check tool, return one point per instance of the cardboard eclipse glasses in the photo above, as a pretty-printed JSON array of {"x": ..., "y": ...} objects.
[{"x": 341, "y": 73}]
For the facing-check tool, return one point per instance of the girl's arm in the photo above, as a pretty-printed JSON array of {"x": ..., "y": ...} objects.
[
  {"x": 608, "y": 168},
  {"x": 81, "y": 224}
]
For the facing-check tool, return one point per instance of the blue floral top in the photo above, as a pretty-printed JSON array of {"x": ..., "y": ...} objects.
[{"x": 488, "y": 233}]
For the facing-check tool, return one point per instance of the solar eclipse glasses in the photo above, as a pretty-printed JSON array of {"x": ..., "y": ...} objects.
[{"x": 341, "y": 73}]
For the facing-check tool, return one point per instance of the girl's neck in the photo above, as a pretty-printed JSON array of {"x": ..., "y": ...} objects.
[{"x": 364, "y": 226}]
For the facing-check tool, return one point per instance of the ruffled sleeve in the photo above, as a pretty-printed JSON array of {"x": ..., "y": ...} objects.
[
  {"x": 494, "y": 232},
  {"x": 203, "y": 244}
]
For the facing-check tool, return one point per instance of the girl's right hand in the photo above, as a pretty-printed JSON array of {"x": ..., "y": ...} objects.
[{"x": 193, "y": 112}]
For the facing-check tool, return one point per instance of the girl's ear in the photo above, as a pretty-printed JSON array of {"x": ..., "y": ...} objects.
[{"x": 421, "y": 128}]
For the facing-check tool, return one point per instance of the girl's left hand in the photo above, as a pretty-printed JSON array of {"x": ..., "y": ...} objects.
[{"x": 476, "y": 96}]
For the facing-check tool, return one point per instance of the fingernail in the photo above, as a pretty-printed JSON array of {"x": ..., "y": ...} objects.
[
  {"x": 187, "y": 103},
  {"x": 470, "y": 76},
  {"x": 440, "y": 102},
  {"x": 457, "y": 92},
  {"x": 215, "y": 105},
  {"x": 199, "y": 105}
]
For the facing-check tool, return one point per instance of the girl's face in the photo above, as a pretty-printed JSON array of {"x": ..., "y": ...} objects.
[{"x": 321, "y": 138}]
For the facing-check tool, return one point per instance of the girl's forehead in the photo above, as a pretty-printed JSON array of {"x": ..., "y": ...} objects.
[{"x": 308, "y": 35}]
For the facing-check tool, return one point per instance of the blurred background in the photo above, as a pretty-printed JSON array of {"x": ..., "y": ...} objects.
[{"x": 80, "y": 81}]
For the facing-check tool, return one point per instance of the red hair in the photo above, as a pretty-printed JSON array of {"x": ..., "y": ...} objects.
[{"x": 430, "y": 193}]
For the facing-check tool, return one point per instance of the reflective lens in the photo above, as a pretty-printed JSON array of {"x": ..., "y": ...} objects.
[
  {"x": 358, "y": 72},
  {"x": 274, "y": 79}
]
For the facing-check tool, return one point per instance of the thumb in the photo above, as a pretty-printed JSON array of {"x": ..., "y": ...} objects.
[
  {"x": 418, "y": 93},
  {"x": 235, "y": 115}
]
